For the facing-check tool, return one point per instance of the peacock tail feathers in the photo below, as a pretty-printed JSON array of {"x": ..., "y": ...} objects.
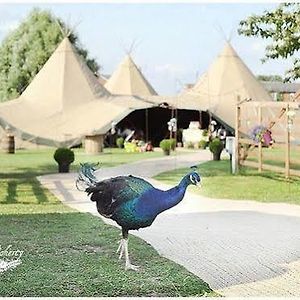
[{"x": 86, "y": 177}]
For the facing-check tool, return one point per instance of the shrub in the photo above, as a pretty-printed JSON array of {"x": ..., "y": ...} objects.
[
  {"x": 64, "y": 156},
  {"x": 216, "y": 147},
  {"x": 165, "y": 145},
  {"x": 120, "y": 142},
  {"x": 203, "y": 144},
  {"x": 173, "y": 144}
]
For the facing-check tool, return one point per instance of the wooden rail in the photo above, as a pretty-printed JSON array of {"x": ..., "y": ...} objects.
[
  {"x": 268, "y": 167},
  {"x": 243, "y": 152}
]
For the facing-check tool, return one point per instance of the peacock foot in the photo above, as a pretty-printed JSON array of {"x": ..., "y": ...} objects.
[{"x": 130, "y": 266}]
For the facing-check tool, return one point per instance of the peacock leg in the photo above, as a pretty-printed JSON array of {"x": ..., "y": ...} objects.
[
  {"x": 128, "y": 264},
  {"x": 121, "y": 248}
]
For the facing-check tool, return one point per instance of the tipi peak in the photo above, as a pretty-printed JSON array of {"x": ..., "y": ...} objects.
[
  {"x": 62, "y": 71},
  {"x": 129, "y": 80}
]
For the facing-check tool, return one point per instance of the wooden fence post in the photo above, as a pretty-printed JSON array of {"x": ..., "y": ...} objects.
[
  {"x": 287, "y": 144},
  {"x": 260, "y": 142},
  {"x": 237, "y": 135}
]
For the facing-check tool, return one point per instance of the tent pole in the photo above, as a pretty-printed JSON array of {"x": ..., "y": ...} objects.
[
  {"x": 147, "y": 125},
  {"x": 200, "y": 119},
  {"x": 176, "y": 116}
]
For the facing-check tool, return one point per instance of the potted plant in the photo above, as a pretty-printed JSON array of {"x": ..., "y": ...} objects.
[
  {"x": 202, "y": 144},
  {"x": 64, "y": 157},
  {"x": 216, "y": 147},
  {"x": 120, "y": 142},
  {"x": 165, "y": 145}
]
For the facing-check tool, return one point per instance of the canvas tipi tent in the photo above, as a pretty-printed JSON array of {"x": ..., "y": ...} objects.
[
  {"x": 218, "y": 88},
  {"x": 129, "y": 80},
  {"x": 63, "y": 103}
]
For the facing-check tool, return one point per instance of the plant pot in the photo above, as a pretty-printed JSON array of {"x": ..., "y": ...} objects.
[
  {"x": 63, "y": 168},
  {"x": 217, "y": 155},
  {"x": 166, "y": 152}
]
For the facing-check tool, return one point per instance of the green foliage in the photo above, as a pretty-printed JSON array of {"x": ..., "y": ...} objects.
[
  {"x": 165, "y": 145},
  {"x": 270, "y": 78},
  {"x": 26, "y": 49},
  {"x": 205, "y": 132},
  {"x": 120, "y": 142},
  {"x": 64, "y": 155},
  {"x": 203, "y": 144},
  {"x": 215, "y": 146},
  {"x": 280, "y": 26}
]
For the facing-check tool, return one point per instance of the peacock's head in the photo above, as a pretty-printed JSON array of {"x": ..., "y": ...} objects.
[{"x": 195, "y": 178}]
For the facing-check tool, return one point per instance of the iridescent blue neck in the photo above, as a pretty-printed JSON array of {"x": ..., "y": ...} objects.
[
  {"x": 185, "y": 182},
  {"x": 175, "y": 194}
]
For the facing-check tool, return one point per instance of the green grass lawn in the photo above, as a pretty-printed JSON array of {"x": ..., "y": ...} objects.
[
  {"x": 276, "y": 157},
  {"x": 41, "y": 161},
  {"x": 18, "y": 183},
  {"x": 67, "y": 253},
  {"x": 249, "y": 185}
]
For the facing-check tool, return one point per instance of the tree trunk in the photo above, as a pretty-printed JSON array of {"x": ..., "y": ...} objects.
[
  {"x": 166, "y": 152},
  {"x": 217, "y": 155}
]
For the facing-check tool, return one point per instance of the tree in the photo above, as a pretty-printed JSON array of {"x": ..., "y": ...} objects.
[
  {"x": 25, "y": 50},
  {"x": 282, "y": 28},
  {"x": 269, "y": 78}
]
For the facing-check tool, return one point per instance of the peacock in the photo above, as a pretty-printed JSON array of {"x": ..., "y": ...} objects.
[{"x": 131, "y": 201}]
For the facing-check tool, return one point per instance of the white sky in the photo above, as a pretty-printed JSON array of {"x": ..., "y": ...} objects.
[{"x": 175, "y": 42}]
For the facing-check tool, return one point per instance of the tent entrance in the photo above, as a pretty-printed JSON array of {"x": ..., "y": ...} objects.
[{"x": 151, "y": 124}]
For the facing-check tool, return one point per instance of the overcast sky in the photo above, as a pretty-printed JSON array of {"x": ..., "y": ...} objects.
[{"x": 175, "y": 43}]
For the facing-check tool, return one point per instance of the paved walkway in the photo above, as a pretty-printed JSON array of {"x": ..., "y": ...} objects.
[{"x": 241, "y": 248}]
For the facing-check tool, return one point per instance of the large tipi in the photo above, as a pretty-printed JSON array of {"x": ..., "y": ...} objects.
[
  {"x": 217, "y": 89},
  {"x": 64, "y": 103}
]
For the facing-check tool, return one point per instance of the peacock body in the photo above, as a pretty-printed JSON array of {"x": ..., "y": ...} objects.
[{"x": 130, "y": 201}]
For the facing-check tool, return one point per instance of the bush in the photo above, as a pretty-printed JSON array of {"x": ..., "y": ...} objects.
[
  {"x": 202, "y": 144},
  {"x": 64, "y": 156},
  {"x": 173, "y": 144},
  {"x": 165, "y": 145},
  {"x": 120, "y": 142},
  {"x": 216, "y": 147}
]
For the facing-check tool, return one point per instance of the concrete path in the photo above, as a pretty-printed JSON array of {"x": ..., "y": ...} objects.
[{"x": 241, "y": 248}]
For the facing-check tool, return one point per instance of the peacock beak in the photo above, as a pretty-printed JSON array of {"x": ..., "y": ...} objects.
[{"x": 199, "y": 184}]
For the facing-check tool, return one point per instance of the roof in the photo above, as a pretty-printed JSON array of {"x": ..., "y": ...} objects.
[
  {"x": 64, "y": 102},
  {"x": 281, "y": 87},
  {"x": 129, "y": 80}
]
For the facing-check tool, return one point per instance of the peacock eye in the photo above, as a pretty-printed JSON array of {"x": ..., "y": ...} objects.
[{"x": 192, "y": 179}]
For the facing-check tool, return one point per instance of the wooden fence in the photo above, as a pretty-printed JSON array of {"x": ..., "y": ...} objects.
[{"x": 253, "y": 153}]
